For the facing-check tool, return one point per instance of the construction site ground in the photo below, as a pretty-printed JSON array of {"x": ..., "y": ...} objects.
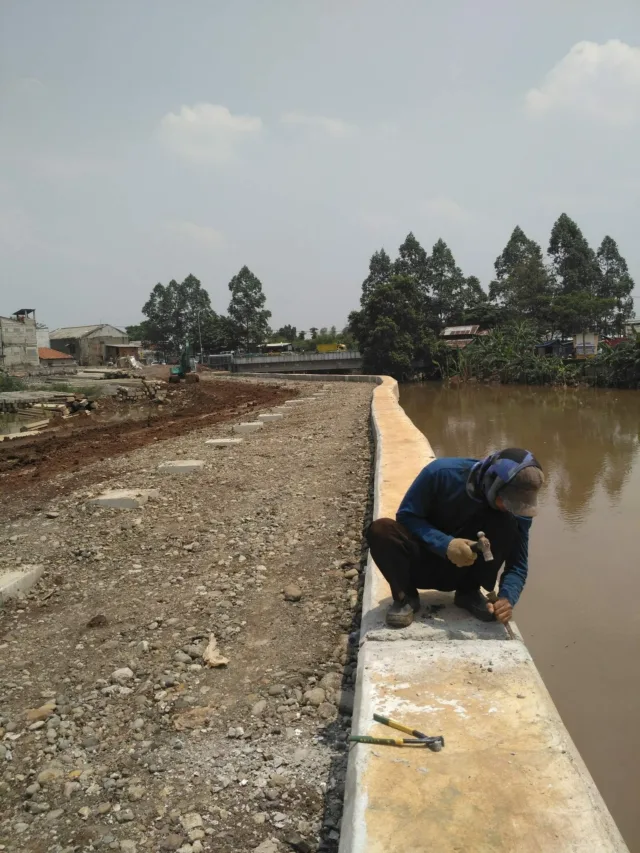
[{"x": 114, "y": 732}]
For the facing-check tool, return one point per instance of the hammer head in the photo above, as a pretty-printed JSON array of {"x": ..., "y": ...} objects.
[{"x": 484, "y": 546}]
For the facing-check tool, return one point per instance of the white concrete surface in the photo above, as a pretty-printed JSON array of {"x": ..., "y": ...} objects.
[
  {"x": 251, "y": 426},
  {"x": 124, "y": 498},
  {"x": 19, "y": 581},
  {"x": 223, "y": 442},
  {"x": 181, "y": 466},
  {"x": 508, "y": 779}
]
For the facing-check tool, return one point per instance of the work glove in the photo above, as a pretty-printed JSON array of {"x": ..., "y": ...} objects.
[{"x": 460, "y": 553}]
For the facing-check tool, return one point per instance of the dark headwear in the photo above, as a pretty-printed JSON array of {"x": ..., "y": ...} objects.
[{"x": 514, "y": 475}]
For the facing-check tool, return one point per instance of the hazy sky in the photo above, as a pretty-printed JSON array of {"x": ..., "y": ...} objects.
[{"x": 141, "y": 140}]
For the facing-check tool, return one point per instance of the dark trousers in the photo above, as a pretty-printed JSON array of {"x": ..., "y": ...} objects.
[{"x": 408, "y": 565}]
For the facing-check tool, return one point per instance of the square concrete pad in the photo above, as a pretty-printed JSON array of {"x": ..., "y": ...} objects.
[
  {"x": 124, "y": 498},
  {"x": 509, "y": 778},
  {"x": 181, "y": 466}
]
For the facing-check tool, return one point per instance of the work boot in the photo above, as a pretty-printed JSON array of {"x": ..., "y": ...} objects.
[
  {"x": 475, "y": 602},
  {"x": 400, "y": 613}
]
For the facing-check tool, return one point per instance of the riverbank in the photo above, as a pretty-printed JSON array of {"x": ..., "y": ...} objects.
[
  {"x": 138, "y": 745},
  {"x": 509, "y": 777}
]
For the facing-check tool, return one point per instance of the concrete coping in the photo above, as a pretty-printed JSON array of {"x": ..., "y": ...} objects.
[
  {"x": 181, "y": 466},
  {"x": 223, "y": 442},
  {"x": 270, "y": 416}
]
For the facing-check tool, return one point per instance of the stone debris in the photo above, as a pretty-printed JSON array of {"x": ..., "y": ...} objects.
[
  {"x": 116, "y": 733},
  {"x": 211, "y": 654}
]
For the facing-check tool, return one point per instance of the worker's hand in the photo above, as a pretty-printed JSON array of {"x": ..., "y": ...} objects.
[
  {"x": 502, "y": 610},
  {"x": 460, "y": 553}
]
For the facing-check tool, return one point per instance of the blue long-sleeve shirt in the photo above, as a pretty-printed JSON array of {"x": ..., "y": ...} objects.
[{"x": 437, "y": 504}]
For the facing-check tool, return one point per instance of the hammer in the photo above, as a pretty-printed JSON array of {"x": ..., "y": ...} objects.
[{"x": 483, "y": 547}]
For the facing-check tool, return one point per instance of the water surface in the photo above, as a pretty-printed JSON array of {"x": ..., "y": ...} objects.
[{"x": 580, "y": 611}]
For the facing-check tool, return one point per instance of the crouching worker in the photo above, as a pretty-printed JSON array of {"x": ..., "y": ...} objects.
[{"x": 428, "y": 546}]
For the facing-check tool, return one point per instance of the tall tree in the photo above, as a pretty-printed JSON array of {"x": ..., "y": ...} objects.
[
  {"x": 389, "y": 328},
  {"x": 175, "y": 313},
  {"x": 248, "y": 316},
  {"x": 412, "y": 261},
  {"x": 448, "y": 286},
  {"x": 523, "y": 286},
  {"x": 616, "y": 284},
  {"x": 380, "y": 269},
  {"x": 287, "y": 333},
  {"x": 574, "y": 261}
]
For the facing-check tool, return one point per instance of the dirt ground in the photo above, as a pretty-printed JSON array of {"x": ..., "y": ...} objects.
[
  {"x": 30, "y": 465},
  {"x": 138, "y": 745}
]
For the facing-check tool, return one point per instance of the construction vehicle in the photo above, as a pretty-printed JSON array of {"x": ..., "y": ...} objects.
[{"x": 183, "y": 370}]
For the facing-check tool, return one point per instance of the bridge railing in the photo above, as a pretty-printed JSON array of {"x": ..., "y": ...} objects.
[{"x": 289, "y": 357}]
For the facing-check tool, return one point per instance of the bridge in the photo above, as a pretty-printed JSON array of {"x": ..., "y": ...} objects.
[{"x": 347, "y": 361}]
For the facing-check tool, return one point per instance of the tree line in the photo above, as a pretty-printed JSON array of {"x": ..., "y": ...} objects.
[
  {"x": 406, "y": 302},
  {"x": 180, "y": 314}
]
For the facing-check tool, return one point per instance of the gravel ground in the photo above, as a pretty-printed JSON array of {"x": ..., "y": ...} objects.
[{"x": 114, "y": 732}]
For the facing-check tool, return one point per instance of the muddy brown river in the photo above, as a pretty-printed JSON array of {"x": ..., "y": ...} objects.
[{"x": 580, "y": 611}]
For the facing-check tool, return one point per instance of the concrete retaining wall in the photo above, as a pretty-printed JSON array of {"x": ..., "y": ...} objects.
[{"x": 510, "y": 778}]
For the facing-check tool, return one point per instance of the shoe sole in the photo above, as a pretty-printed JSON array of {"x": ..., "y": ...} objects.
[{"x": 400, "y": 622}]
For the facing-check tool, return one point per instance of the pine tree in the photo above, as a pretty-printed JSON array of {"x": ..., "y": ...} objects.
[
  {"x": 523, "y": 286},
  {"x": 380, "y": 269},
  {"x": 574, "y": 261},
  {"x": 247, "y": 314},
  {"x": 412, "y": 262},
  {"x": 447, "y": 285},
  {"x": 616, "y": 284}
]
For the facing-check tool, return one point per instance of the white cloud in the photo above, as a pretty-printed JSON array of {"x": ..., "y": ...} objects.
[
  {"x": 441, "y": 207},
  {"x": 601, "y": 81},
  {"x": 201, "y": 235},
  {"x": 334, "y": 127},
  {"x": 207, "y": 133}
]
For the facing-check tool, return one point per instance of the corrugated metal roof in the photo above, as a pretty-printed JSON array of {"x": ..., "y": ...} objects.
[
  {"x": 74, "y": 331},
  {"x": 459, "y": 330},
  {"x": 79, "y": 331},
  {"x": 47, "y": 354}
]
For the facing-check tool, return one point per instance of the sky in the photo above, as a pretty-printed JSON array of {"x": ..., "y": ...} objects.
[{"x": 143, "y": 140}]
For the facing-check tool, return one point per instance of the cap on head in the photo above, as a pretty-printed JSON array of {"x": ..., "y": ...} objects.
[{"x": 515, "y": 476}]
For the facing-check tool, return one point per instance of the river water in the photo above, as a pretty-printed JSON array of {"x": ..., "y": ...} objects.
[{"x": 580, "y": 611}]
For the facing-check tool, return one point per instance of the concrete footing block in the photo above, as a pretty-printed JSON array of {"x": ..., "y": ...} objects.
[
  {"x": 268, "y": 417},
  {"x": 252, "y": 426},
  {"x": 12, "y": 584},
  {"x": 223, "y": 442},
  {"x": 181, "y": 466},
  {"x": 124, "y": 498}
]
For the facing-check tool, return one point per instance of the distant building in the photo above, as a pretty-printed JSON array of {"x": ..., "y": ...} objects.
[
  {"x": 42, "y": 335},
  {"x": 586, "y": 344},
  {"x": 91, "y": 346},
  {"x": 632, "y": 328},
  {"x": 18, "y": 340},
  {"x": 458, "y": 337},
  {"x": 562, "y": 347},
  {"x": 52, "y": 358}
]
